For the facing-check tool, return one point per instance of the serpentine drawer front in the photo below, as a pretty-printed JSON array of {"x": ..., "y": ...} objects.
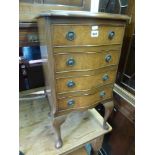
[
  {"x": 82, "y": 35},
  {"x": 85, "y": 60},
  {"x": 85, "y": 82},
  {"x": 85, "y": 100},
  {"x": 81, "y": 52}
]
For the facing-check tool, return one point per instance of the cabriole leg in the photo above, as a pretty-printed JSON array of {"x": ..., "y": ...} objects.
[
  {"x": 56, "y": 124},
  {"x": 108, "y": 110}
]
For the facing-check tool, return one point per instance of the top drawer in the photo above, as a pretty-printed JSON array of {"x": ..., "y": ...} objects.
[{"x": 87, "y": 35}]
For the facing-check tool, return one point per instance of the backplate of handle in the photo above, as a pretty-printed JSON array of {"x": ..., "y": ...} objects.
[
  {"x": 102, "y": 94},
  {"x": 70, "y": 36},
  {"x": 70, "y": 62},
  {"x": 70, "y": 84},
  {"x": 70, "y": 102},
  {"x": 105, "y": 77},
  {"x": 108, "y": 58},
  {"x": 111, "y": 35}
]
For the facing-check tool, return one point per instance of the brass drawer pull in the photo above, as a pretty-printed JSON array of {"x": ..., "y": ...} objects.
[
  {"x": 111, "y": 35},
  {"x": 70, "y": 102},
  {"x": 70, "y": 84},
  {"x": 108, "y": 58},
  {"x": 70, "y": 36},
  {"x": 102, "y": 94},
  {"x": 70, "y": 62},
  {"x": 105, "y": 77}
]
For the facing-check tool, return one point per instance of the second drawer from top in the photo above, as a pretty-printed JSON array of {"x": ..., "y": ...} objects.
[{"x": 84, "y": 61}]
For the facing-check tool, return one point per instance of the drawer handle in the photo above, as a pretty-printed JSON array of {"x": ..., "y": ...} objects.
[
  {"x": 70, "y": 84},
  {"x": 70, "y": 102},
  {"x": 102, "y": 94},
  {"x": 105, "y": 77},
  {"x": 70, "y": 62},
  {"x": 108, "y": 58},
  {"x": 111, "y": 35},
  {"x": 70, "y": 36}
]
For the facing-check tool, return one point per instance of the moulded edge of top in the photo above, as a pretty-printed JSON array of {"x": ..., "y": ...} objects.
[{"x": 84, "y": 14}]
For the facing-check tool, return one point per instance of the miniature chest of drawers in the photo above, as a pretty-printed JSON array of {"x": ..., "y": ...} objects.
[{"x": 81, "y": 52}]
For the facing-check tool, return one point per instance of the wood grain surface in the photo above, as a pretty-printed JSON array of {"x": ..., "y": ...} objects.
[
  {"x": 85, "y": 61},
  {"x": 36, "y": 136},
  {"x": 60, "y": 33},
  {"x": 85, "y": 14},
  {"x": 85, "y": 48},
  {"x": 85, "y": 82},
  {"x": 83, "y": 35},
  {"x": 85, "y": 100}
]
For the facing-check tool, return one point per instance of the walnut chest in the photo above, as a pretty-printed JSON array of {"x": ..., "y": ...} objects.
[{"x": 81, "y": 52}]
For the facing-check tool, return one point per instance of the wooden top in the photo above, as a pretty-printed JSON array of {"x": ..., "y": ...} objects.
[
  {"x": 36, "y": 136},
  {"x": 84, "y": 14}
]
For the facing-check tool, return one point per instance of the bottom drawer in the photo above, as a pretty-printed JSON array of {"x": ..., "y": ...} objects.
[{"x": 85, "y": 100}]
